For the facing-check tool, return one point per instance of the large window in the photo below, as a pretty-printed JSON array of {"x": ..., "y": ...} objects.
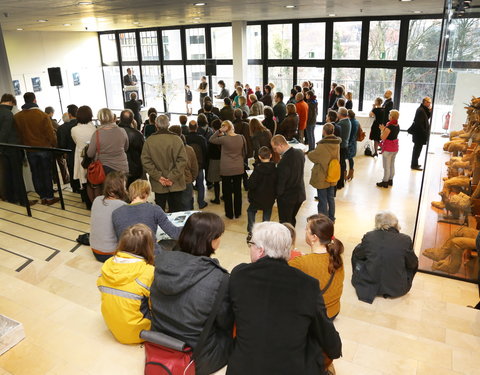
[
  {"x": 109, "y": 48},
  {"x": 465, "y": 34},
  {"x": 377, "y": 81},
  {"x": 222, "y": 42},
  {"x": 128, "y": 46},
  {"x": 383, "y": 40},
  {"x": 195, "y": 44},
  {"x": 254, "y": 41},
  {"x": 282, "y": 77},
  {"x": 172, "y": 45},
  {"x": 113, "y": 87},
  {"x": 153, "y": 89},
  {"x": 347, "y": 38},
  {"x": 312, "y": 48},
  {"x": 280, "y": 41},
  {"x": 149, "y": 45},
  {"x": 423, "y": 39},
  {"x": 174, "y": 88},
  {"x": 314, "y": 75},
  {"x": 350, "y": 78}
]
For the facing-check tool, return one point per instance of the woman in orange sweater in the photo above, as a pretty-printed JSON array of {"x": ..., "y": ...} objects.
[{"x": 325, "y": 262}]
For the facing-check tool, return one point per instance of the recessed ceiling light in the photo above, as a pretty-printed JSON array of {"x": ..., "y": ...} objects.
[
  {"x": 331, "y": 15},
  {"x": 195, "y": 21},
  {"x": 405, "y": 1},
  {"x": 19, "y": 29},
  {"x": 417, "y": 11},
  {"x": 67, "y": 24},
  {"x": 290, "y": 6},
  {"x": 85, "y": 3},
  {"x": 136, "y": 23},
  {"x": 196, "y": 18},
  {"x": 42, "y": 20},
  {"x": 200, "y": 4}
]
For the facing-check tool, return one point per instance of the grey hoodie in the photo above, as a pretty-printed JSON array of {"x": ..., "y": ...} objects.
[{"x": 182, "y": 295}]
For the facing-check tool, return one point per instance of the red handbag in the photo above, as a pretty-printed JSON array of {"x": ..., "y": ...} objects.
[
  {"x": 95, "y": 171},
  {"x": 166, "y": 355}
]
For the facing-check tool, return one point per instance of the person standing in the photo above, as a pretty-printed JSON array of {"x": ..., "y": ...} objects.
[
  {"x": 35, "y": 129},
  {"x": 389, "y": 137},
  {"x": 199, "y": 145},
  {"x": 227, "y": 112},
  {"x": 65, "y": 140},
  {"x": 352, "y": 144},
  {"x": 279, "y": 109},
  {"x": 135, "y": 146},
  {"x": 130, "y": 79},
  {"x": 327, "y": 149},
  {"x": 188, "y": 100},
  {"x": 289, "y": 126},
  {"x": 346, "y": 127},
  {"x": 378, "y": 114},
  {"x": 232, "y": 167},
  {"x": 387, "y": 105},
  {"x": 272, "y": 300},
  {"x": 164, "y": 159},
  {"x": 290, "y": 185},
  {"x": 302, "y": 111},
  {"x": 420, "y": 131},
  {"x": 203, "y": 90},
  {"x": 311, "y": 119},
  {"x": 13, "y": 157},
  {"x": 267, "y": 98},
  {"x": 224, "y": 93},
  {"x": 135, "y": 105},
  {"x": 331, "y": 95}
]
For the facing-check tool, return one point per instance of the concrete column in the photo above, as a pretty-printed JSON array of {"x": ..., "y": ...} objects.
[
  {"x": 239, "y": 43},
  {"x": 6, "y": 85}
]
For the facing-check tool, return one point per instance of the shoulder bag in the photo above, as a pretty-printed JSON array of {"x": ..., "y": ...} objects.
[
  {"x": 165, "y": 355},
  {"x": 95, "y": 171}
]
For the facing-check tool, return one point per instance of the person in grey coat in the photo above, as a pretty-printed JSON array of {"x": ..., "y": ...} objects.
[
  {"x": 184, "y": 290},
  {"x": 384, "y": 263}
]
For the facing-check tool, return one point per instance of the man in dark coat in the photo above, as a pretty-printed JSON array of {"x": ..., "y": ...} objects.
[
  {"x": 290, "y": 185},
  {"x": 227, "y": 112},
  {"x": 282, "y": 326},
  {"x": 135, "y": 146},
  {"x": 279, "y": 109},
  {"x": 65, "y": 140},
  {"x": 384, "y": 263},
  {"x": 420, "y": 130},
  {"x": 199, "y": 145},
  {"x": 135, "y": 105}
]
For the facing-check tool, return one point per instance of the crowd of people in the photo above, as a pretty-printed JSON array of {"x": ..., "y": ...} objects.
[{"x": 144, "y": 287}]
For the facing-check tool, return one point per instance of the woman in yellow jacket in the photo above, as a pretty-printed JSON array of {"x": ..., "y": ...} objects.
[{"x": 125, "y": 285}]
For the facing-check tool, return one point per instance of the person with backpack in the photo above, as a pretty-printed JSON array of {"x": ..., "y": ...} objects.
[{"x": 326, "y": 170}]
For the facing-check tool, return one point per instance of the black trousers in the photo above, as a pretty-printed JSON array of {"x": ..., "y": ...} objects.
[
  {"x": 343, "y": 167},
  {"x": 232, "y": 185},
  {"x": 287, "y": 210},
  {"x": 417, "y": 150},
  {"x": 13, "y": 176},
  {"x": 174, "y": 200}
]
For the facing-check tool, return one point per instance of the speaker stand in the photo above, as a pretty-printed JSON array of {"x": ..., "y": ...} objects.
[{"x": 60, "y": 99}]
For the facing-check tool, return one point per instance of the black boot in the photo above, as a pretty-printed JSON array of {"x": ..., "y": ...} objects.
[
  {"x": 390, "y": 182},
  {"x": 382, "y": 184}
]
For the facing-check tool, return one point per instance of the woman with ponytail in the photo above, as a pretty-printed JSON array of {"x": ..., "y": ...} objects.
[{"x": 325, "y": 263}]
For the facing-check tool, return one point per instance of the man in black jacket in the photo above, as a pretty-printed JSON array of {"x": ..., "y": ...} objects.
[
  {"x": 199, "y": 145},
  {"x": 290, "y": 185},
  {"x": 65, "y": 140},
  {"x": 135, "y": 105},
  {"x": 135, "y": 146},
  {"x": 282, "y": 326},
  {"x": 420, "y": 131}
]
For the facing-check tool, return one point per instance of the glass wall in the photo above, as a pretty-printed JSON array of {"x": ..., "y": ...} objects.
[
  {"x": 350, "y": 78},
  {"x": 347, "y": 39},
  {"x": 422, "y": 35},
  {"x": 383, "y": 40},
  {"x": 282, "y": 77},
  {"x": 255, "y": 76},
  {"x": 195, "y": 40},
  {"x": 254, "y": 41},
  {"x": 149, "y": 45},
  {"x": 314, "y": 75},
  {"x": 109, "y": 48},
  {"x": 377, "y": 81},
  {"x": 280, "y": 41},
  {"x": 152, "y": 87},
  {"x": 222, "y": 42},
  {"x": 194, "y": 74},
  {"x": 312, "y": 48},
  {"x": 174, "y": 88},
  {"x": 128, "y": 46},
  {"x": 172, "y": 45}
]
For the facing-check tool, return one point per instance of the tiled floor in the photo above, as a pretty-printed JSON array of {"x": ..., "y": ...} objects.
[{"x": 48, "y": 284}]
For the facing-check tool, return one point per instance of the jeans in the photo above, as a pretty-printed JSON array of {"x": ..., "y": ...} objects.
[
  {"x": 174, "y": 200},
  {"x": 311, "y": 137},
  {"x": 252, "y": 212},
  {"x": 199, "y": 182},
  {"x": 388, "y": 165},
  {"x": 417, "y": 150},
  {"x": 232, "y": 185},
  {"x": 41, "y": 167},
  {"x": 187, "y": 198},
  {"x": 326, "y": 202}
]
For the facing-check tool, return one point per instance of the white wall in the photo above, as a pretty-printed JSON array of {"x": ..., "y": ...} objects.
[
  {"x": 31, "y": 53},
  {"x": 467, "y": 86}
]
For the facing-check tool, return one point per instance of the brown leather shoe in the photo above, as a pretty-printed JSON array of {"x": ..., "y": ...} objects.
[
  {"x": 44, "y": 201},
  {"x": 33, "y": 202},
  {"x": 49, "y": 202}
]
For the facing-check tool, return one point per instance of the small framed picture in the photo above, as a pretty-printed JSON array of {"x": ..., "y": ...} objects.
[
  {"x": 36, "y": 83},
  {"x": 76, "y": 79},
  {"x": 16, "y": 87}
]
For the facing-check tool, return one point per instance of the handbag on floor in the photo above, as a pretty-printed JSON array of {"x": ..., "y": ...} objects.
[
  {"x": 368, "y": 150},
  {"x": 166, "y": 355}
]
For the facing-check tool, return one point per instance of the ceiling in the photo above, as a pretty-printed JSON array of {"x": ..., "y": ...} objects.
[{"x": 65, "y": 15}]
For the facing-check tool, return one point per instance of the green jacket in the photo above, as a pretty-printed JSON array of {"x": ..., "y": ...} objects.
[
  {"x": 327, "y": 149},
  {"x": 164, "y": 155}
]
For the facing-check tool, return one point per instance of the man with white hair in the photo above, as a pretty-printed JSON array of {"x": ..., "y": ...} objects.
[
  {"x": 164, "y": 159},
  {"x": 282, "y": 326}
]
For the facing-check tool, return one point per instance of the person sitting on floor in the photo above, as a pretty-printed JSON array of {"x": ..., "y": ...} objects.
[
  {"x": 384, "y": 263},
  {"x": 125, "y": 285}
]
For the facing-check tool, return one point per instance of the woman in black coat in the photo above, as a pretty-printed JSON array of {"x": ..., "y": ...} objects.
[
  {"x": 384, "y": 263},
  {"x": 184, "y": 290},
  {"x": 135, "y": 146}
]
